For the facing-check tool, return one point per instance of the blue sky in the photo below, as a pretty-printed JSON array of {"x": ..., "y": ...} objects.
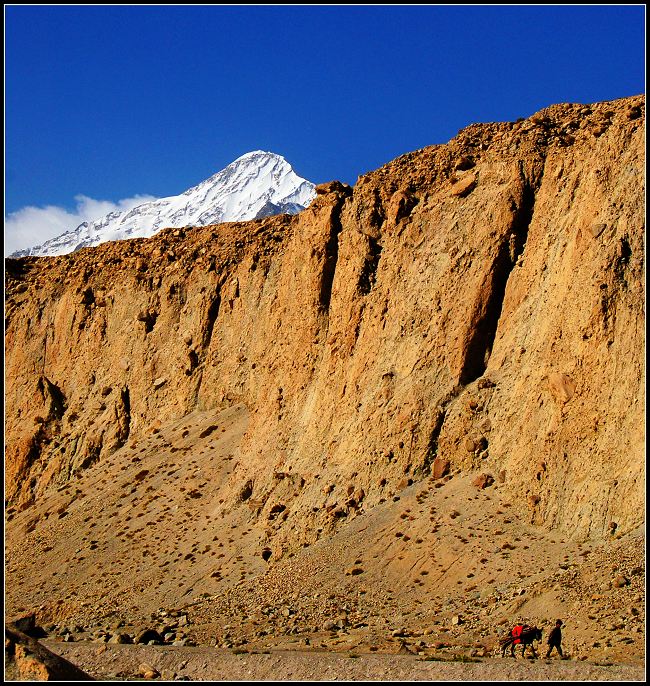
[{"x": 107, "y": 103}]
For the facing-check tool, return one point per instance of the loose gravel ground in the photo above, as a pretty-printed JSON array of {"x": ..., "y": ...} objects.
[
  {"x": 128, "y": 662},
  {"x": 441, "y": 570}
]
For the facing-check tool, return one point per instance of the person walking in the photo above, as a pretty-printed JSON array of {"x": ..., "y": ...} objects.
[{"x": 555, "y": 639}]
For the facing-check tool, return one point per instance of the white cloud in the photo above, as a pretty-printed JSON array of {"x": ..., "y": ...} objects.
[{"x": 31, "y": 226}]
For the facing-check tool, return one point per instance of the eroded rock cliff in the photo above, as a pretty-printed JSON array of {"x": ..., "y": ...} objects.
[{"x": 479, "y": 303}]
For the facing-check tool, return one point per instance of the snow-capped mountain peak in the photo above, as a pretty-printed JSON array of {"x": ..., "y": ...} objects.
[{"x": 257, "y": 184}]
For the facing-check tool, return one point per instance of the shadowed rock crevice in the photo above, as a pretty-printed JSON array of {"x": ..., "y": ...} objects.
[
  {"x": 432, "y": 446},
  {"x": 370, "y": 264},
  {"x": 479, "y": 348},
  {"x": 623, "y": 255},
  {"x": 439, "y": 420},
  {"x": 52, "y": 393},
  {"x": 338, "y": 192},
  {"x": 148, "y": 317},
  {"x": 193, "y": 362},
  {"x": 123, "y": 417},
  {"x": 331, "y": 258},
  {"x": 211, "y": 318},
  {"x": 90, "y": 453}
]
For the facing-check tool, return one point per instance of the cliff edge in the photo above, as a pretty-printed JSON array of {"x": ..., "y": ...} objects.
[{"x": 477, "y": 305}]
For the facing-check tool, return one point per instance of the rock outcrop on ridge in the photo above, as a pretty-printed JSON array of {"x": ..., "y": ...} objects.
[
  {"x": 477, "y": 305},
  {"x": 27, "y": 659}
]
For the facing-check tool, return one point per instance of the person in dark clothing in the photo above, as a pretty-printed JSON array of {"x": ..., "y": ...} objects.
[{"x": 555, "y": 639}]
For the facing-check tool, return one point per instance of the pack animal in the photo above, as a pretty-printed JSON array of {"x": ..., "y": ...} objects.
[{"x": 520, "y": 635}]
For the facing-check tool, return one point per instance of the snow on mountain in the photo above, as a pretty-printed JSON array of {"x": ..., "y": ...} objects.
[{"x": 257, "y": 184}]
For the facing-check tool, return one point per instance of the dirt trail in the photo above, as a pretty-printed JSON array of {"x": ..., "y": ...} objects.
[{"x": 213, "y": 664}]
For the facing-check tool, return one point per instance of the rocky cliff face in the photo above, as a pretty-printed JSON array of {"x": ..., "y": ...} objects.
[{"x": 479, "y": 303}]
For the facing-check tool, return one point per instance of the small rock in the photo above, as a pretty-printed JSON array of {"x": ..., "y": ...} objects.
[
  {"x": 485, "y": 383},
  {"x": 332, "y": 187},
  {"x": 483, "y": 481},
  {"x": 597, "y": 229},
  {"x": 24, "y": 623},
  {"x": 440, "y": 468},
  {"x": 562, "y": 387},
  {"x": 464, "y": 186},
  {"x": 145, "y": 636},
  {"x": 146, "y": 671},
  {"x": 464, "y": 163}
]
